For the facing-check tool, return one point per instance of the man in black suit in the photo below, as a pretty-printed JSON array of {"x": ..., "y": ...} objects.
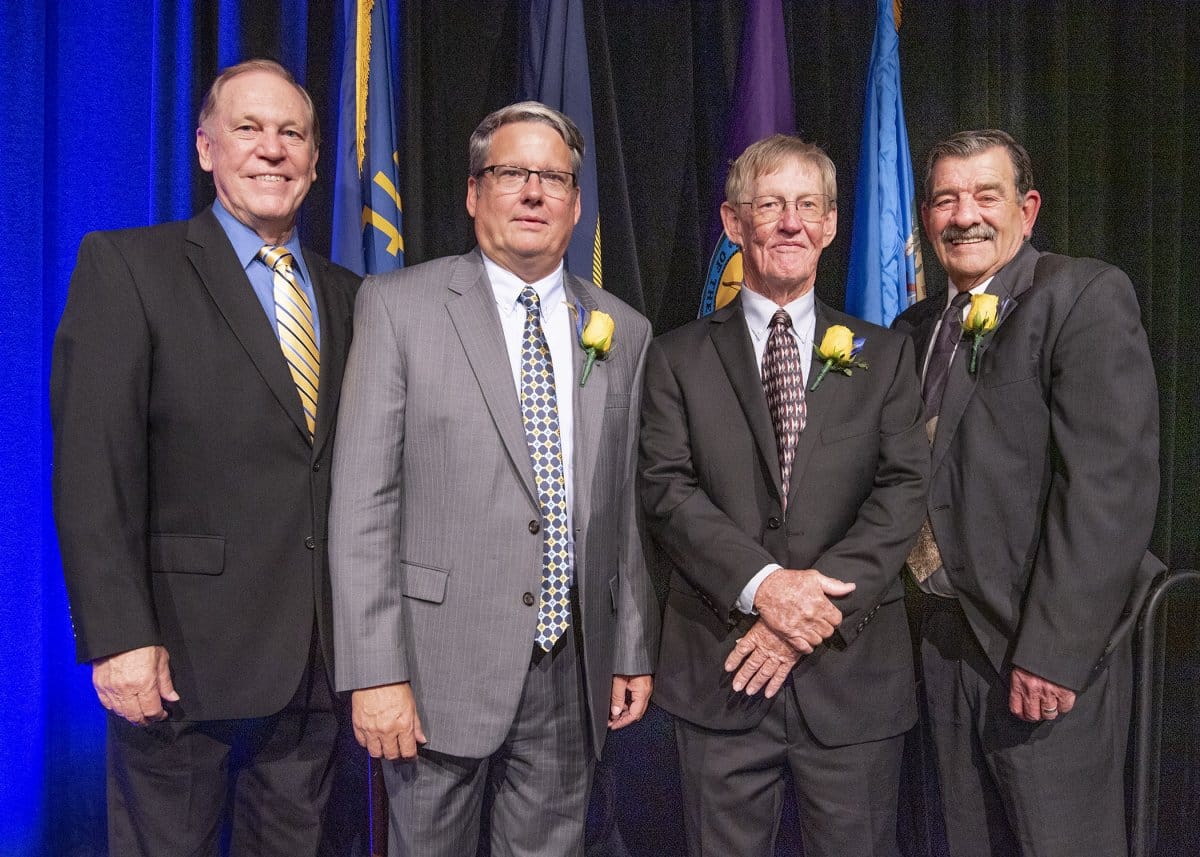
[
  {"x": 784, "y": 502},
  {"x": 194, "y": 393},
  {"x": 1043, "y": 418}
]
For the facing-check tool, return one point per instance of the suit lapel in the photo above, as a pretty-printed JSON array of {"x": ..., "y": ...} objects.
[
  {"x": 588, "y": 402},
  {"x": 334, "y": 326},
  {"x": 817, "y": 404},
  {"x": 477, "y": 322},
  {"x": 730, "y": 337},
  {"x": 212, "y": 256},
  {"x": 1009, "y": 284}
]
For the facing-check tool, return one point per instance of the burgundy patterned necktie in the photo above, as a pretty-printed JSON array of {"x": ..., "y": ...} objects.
[{"x": 783, "y": 383}]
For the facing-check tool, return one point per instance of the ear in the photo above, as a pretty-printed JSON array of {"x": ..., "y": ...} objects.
[
  {"x": 578, "y": 205},
  {"x": 472, "y": 195},
  {"x": 203, "y": 149},
  {"x": 1030, "y": 206},
  {"x": 828, "y": 228},
  {"x": 925, "y": 212},
  {"x": 732, "y": 224}
]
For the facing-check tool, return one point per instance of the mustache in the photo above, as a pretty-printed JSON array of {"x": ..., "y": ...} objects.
[{"x": 978, "y": 232}]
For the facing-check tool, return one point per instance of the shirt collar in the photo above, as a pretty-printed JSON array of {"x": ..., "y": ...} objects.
[
  {"x": 507, "y": 287},
  {"x": 978, "y": 290},
  {"x": 246, "y": 242},
  {"x": 759, "y": 310}
]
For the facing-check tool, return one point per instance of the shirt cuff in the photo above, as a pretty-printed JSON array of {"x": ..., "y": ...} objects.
[{"x": 745, "y": 602}]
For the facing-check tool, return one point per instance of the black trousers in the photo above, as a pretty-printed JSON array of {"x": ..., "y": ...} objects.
[
  {"x": 1012, "y": 788},
  {"x": 177, "y": 789}
]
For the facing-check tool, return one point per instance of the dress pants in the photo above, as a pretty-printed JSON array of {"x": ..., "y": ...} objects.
[
  {"x": 1017, "y": 789},
  {"x": 534, "y": 788},
  {"x": 174, "y": 785},
  {"x": 733, "y": 788}
]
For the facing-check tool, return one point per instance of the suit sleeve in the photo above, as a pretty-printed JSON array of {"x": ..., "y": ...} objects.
[
  {"x": 1100, "y": 508},
  {"x": 876, "y": 545},
  {"x": 99, "y": 395},
  {"x": 637, "y": 608},
  {"x": 364, "y": 533},
  {"x": 710, "y": 550}
]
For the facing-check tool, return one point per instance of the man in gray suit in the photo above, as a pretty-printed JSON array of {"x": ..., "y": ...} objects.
[
  {"x": 493, "y": 613},
  {"x": 1043, "y": 416}
]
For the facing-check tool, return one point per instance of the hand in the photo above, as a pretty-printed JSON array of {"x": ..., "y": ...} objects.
[
  {"x": 630, "y": 696},
  {"x": 765, "y": 658},
  {"x": 795, "y": 605},
  {"x": 1034, "y": 699},
  {"x": 134, "y": 684},
  {"x": 386, "y": 722}
]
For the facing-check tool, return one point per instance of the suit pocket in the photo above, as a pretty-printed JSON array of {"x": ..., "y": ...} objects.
[
  {"x": 617, "y": 400},
  {"x": 846, "y": 431},
  {"x": 423, "y": 582},
  {"x": 181, "y": 554}
]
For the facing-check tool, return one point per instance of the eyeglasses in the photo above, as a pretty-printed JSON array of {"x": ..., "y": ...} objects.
[
  {"x": 510, "y": 179},
  {"x": 769, "y": 209}
]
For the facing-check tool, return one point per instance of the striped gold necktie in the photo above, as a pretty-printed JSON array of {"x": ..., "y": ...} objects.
[{"x": 294, "y": 319}]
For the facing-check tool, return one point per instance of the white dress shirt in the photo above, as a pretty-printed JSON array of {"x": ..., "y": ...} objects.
[
  {"x": 559, "y": 328},
  {"x": 758, "y": 311}
]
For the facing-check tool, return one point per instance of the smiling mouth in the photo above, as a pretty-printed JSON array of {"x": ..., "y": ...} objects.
[{"x": 271, "y": 179}]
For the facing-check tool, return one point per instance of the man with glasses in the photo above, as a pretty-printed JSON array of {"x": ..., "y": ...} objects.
[
  {"x": 1042, "y": 413},
  {"x": 493, "y": 612},
  {"x": 783, "y": 464}
]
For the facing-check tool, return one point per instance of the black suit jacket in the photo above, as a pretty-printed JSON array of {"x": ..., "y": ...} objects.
[
  {"x": 189, "y": 500},
  {"x": 710, "y": 488},
  {"x": 1044, "y": 473}
]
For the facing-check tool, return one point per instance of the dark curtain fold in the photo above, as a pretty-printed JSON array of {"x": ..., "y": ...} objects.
[{"x": 1104, "y": 95}]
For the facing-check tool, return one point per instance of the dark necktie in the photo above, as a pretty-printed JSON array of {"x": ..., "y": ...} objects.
[
  {"x": 539, "y": 413},
  {"x": 925, "y": 558},
  {"x": 937, "y": 370},
  {"x": 783, "y": 383}
]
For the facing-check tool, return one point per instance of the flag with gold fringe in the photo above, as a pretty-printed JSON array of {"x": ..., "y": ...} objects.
[
  {"x": 367, "y": 228},
  {"x": 885, "y": 275}
]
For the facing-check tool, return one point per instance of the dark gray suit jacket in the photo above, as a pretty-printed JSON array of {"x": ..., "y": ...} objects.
[
  {"x": 710, "y": 488},
  {"x": 189, "y": 500},
  {"x": 1044, "y": 474},
  {"x": 434, "y": 544}
]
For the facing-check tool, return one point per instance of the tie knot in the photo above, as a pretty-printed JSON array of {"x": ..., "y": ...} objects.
[
  {"x": 529, "y": 299},
  {"x": 275, "y": 257},
  {"x": 960, "y": 300},
  {"x": 781, "y": 320}
]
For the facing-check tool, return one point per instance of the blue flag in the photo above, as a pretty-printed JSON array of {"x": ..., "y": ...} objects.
[
  {"x": 367, "y": 234},
  {"x": 885, "y": 251},
  {"x": 761, "y": 106},
  {"x": 554, "y": 71}
]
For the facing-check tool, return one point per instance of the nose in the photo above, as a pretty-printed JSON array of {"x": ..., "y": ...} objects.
[
  {"x": 966, "y": 211},
  {"x": 270, "y": 145},
  {"x": 532, "y": 189},
  {"x": 789, "y": 219}
]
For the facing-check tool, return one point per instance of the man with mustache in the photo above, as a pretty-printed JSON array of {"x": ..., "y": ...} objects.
[{"x": 1042, "y": 414}]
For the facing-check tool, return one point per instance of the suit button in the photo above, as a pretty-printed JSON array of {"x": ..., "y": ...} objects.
[
  {"x": 773, "y": 522},
  {"x": 316, "y": 466},
  {"x": 310, "y": 543},
  {"x": 535, "y": 527},
  {"x": 528, "y": 599}
]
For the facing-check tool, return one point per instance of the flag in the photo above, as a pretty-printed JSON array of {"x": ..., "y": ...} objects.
[
  {"x": 554, "y": 71},
  {"x": 885, "y": 274},
  {"x": 761, "y": 106},
  {"x": 367, "y": 234}
]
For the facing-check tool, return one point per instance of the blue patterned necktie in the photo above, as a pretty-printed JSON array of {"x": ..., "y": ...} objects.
[
  {"x": 539, "y": 413},
  {"x": 783, "y": 384},
  {"x": 294, "y": 321}
]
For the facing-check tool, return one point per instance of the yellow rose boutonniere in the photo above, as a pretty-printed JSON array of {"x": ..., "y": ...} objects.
[
  {"x": 595, "y": 331},
  {"x": 839, "y": 349},
  {"x": 982, "y": 318}
]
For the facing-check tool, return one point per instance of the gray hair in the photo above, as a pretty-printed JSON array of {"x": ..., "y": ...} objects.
[
  {"x": 768, "y": 155},
  {"x": 967, "y": 144},
  {"x": 525, "y": 111},
  {"x": 209, "y": 105}
]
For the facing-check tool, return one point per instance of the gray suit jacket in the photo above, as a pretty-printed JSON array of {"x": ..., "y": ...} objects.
[
  {"x": 1044, "y": 476},
  {"x": 432, "y": 542}
]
